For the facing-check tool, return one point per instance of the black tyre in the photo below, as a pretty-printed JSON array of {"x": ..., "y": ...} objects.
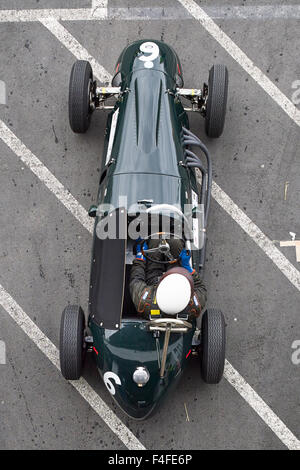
[
  {"x": 71, "y": 351},
  {"x": 80, "y": 89},
  {"x": 216, "y": 101},
  {"x": 213, "y": 346}
]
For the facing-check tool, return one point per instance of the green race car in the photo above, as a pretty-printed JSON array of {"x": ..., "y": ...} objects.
[{"x": 149, "y": 171}]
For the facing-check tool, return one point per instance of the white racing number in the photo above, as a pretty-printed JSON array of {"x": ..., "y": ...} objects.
[
  {"x": 108, "y": 377},
  {"x": 149, "y": 48}
]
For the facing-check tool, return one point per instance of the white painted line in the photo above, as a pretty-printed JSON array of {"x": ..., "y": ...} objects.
[
  {"x": 261, "y": 408},
  {"x": 3, "y": 97},
  {"x": 242, "y": 59},
  {"x": 100, "y": 11},
  {"x": 99, "y": 7},
  {"x": 42, "y": 172},
  {"x": 83, "y": 388},
  {"x": 66, "y": 38},
  {"x": 296, "y": 244},
  {"x": 253, "y": 12},
  {"x": 227, "y": 12},
  {"x": 78, "y": 14},
  {"x": 282, "y": 263},
  {"x": 63, "y": 14},
  {"x": 234, "y": 378}
]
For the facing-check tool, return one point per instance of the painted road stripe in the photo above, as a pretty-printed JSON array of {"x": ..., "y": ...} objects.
[
  {"x": 233, "y": 377},
  {"x": 100, "y": 11},
  {"x": 261, "y": 408},
  {"x": 42, "y": 172},
  {"x": 66, "y": 38},
  {"x": 99, "y": 6},
  {"x": 83, "y": 388},
  {"x": 67, "y": 14},
  {"x": 242, "y": 59},
  {"x": 253, "y": 12},
  {"x": 268, "y": 247}
]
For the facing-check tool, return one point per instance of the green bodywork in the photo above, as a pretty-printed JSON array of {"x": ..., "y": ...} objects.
[
  {"x": 145, "y": 160},
  {"x": 121, "y": 351},
  {"x": 144, "y": 163}
]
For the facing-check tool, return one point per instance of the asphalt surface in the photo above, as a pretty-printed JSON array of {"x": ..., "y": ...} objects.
[{"x": 45, "y": 252}]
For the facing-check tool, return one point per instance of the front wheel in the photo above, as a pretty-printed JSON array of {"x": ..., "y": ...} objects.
[
  {"x": 71, "y": 351},
  {"x": 213, "y": 346},
  {"x": 216, "y": 101},
  {"x": 81, "y": 91}
]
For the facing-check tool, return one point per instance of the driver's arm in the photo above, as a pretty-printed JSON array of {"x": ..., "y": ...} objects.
[{"x": 140, "y": 292}]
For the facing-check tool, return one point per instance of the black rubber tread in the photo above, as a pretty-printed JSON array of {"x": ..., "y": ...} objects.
[
  {"x": 71, "y": 342},
  {"x": 79, "y": 104},
  {"x": 217, "y": 100},
  {"x": 213, "y": 346}
]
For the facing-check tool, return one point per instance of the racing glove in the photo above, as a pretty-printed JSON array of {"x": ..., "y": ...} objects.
[
  {"x": 139, "y": 254},
  {"x": 185, "y": 261}
]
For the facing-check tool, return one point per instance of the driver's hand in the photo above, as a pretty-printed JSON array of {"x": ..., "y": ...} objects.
[
  {"x": 139, "y": 254},
  {"x": 185, "y": 260}
]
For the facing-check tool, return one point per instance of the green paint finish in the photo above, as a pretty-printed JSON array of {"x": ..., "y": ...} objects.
[
  {"x": 147, "y": 150},
  {"x": 121, "y": 351},
  {"x": 145, "y": 163}
]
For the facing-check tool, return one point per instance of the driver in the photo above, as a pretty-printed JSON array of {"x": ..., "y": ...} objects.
[{"x": 166, "y": 288}]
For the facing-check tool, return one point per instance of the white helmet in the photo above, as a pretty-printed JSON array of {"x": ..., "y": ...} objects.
[{"x": 174, "y": 291}]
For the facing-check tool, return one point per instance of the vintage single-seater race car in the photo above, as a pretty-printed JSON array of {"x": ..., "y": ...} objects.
[{"x": 149, "y": 171}]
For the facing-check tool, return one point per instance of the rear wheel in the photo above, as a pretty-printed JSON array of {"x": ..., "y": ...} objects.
[
  {"x": 213, "y": 346},
  {"x": 81, "y": 89},
  {"x": 71, "y": 352},
  {"x": 216, "y": 101}
]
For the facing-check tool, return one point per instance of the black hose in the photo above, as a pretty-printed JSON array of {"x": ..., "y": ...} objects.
[
  {"x": 191, "y": 139},
  {"x": 192, "y": 157}
]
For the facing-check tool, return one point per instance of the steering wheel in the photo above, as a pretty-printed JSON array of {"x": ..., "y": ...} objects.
[{"x": 162, "y": 248}]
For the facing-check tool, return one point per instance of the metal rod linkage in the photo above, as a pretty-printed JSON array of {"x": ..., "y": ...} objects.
[{"x": 165, "y": 351}]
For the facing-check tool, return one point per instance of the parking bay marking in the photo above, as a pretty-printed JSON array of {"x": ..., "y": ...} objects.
[
  {"x": 296, "y": 244},
  {"x": 268, "y": 247},
  {"x": 83, "y": 388},
  {"x": 100, "y": 11},
  {"x": 242, "y": 59},
  {"x": 42, "y": 172},
  {"x": 63, "y": 14},
  {"x": 232, "y": 375},
  {"x": 66, "y": 38}
]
